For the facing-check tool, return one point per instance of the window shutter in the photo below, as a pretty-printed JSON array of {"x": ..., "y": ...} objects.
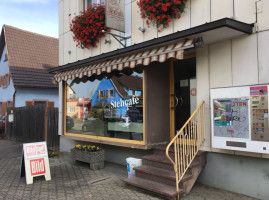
[
  {"x": 29, "y": 103},
  {"x": 11, "y": 104},
  {"x": 51, "y": 104}
]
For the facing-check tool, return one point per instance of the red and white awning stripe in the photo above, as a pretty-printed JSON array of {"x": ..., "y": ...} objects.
[{"x": 160, "y": 54}]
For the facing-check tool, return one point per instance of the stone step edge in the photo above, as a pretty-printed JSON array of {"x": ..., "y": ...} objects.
[
  {"x": 166, "y": 173},
  {"x": 164, "y": 160},
  {"x": 152, "y": 186}
]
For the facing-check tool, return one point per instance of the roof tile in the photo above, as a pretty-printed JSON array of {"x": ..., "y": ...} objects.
[{"x": 30, "y": 55}]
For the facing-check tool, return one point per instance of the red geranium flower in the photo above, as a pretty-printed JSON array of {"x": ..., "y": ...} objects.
[
  {"x": 160, "y": 12},
  {"x": 88, "y": 26}
]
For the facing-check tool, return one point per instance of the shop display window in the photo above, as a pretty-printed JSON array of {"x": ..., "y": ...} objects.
[{"x": 104, "y": 108}]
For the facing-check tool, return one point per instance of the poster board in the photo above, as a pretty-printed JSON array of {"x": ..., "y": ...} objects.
[
  {"x": 231, "y": 117},
  {"x": 231, "y": 120},
  {"x": 36, "y": 161}
]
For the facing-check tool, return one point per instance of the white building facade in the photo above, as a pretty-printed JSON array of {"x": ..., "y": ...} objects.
[{"x": 233, "y": 59}]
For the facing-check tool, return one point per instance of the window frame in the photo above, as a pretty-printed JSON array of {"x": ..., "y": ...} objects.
[
  {"x": 108, "y": 93},
  {"x": 71, "y": 109},
  {"x": 85, "y": 3},
  {"x": 99, "y": 92}
]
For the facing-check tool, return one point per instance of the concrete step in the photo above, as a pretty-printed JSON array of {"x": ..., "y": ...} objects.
[
  {"x": 159, "y": 175},
  {"x": 158, "y": 161},
  {"x": 160, "y": 188},
  {"x": 161, "y": 161},
  {"x": 161, "y": 150}
]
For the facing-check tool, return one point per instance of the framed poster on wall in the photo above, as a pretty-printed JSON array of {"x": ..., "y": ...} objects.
[{"x": 231, "y": 117}]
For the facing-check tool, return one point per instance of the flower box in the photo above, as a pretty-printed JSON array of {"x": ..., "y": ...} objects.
[{"x": 95, "y": 159}]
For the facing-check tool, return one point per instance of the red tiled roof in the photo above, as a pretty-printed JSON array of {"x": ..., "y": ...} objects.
[
  {"x": 30, "y": 55},
  {"x": 130, "y": 82}
]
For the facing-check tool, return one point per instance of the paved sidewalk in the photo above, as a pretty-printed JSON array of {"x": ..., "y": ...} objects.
[{"x": 71, "y": 181}]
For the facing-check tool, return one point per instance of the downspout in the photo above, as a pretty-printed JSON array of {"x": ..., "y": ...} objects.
[
  {"x": 14, "y": 97},
  {"x": 233, "y": 11},
  {"x": 256, "y": 16}
]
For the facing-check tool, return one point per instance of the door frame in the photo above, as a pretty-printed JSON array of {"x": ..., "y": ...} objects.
[{"x": 172, "y": 99}]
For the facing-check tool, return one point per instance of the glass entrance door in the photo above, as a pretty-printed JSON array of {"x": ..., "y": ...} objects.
[{"x": 182, "y": 93}]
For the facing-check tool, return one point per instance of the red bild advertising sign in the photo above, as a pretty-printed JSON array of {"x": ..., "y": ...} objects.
[
  {"x": 36, "y": 161},
  {"x": 37, "y": 166}
]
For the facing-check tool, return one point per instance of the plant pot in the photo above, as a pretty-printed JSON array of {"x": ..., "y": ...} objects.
[{"x": 95, "y": 159}]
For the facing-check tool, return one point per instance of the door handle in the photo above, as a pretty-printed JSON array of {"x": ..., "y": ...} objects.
[
  {"x": 180, "y": 99},
  {"x": 176, "y": 100}
]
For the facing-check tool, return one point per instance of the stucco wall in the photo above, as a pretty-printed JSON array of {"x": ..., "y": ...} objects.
[
  {"x": 197, "y": 12},
  {"x": 112, "y": 153},
  {"x": 237, "y": 62},
  {"x": 157, "y": 120},
  {"x": 240, "y": 174},
  {"x": 28, "y": 94},
  {"x": 6, "y": 94},
  {"x": 3, "y": 64}
]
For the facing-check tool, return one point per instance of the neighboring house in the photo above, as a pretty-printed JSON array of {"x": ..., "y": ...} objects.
[
  {"x": 25, "y": 59},
  {"x": 111, "y": 91},
  {"x": 216, "y": 52}
]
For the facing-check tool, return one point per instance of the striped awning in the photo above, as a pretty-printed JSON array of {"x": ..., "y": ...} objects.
[{"x": 160, "y": 54}]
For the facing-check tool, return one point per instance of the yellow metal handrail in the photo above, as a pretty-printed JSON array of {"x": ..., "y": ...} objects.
[{"x": 187, "y": 143}]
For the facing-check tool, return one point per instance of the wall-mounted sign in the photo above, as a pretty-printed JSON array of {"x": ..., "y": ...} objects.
[
  {"x": 115, "y": 14},
  {"x": 36, "y": 162},
  {"x": 11, "y": 117}
]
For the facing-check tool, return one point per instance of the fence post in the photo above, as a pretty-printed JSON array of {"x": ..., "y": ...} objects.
[{"x": 46, "y": 123}]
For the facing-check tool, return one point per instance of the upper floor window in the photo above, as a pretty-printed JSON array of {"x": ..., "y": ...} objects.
[
  {"x": 6, "y": 58},
  {"x": 71, "y": 109},
  {"x": 37, "y": 102},
  {"x": 138, "y": 93},
  {"x": 110, "y": 93},
  {"x": 130, "y": 92},
  {"x": 101, "y": 93},
  {"x": 87, "y": 3}
]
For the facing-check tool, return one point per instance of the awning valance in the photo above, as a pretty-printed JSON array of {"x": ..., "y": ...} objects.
[{"x": 144, "y": 58}]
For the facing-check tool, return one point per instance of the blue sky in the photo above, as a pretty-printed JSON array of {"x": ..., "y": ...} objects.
[{"x": 39, "y": 16}]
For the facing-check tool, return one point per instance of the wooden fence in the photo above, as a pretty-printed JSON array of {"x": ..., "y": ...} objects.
[
  {"x": 33, "y": 124},
  {"x": 53, "y": 138}
]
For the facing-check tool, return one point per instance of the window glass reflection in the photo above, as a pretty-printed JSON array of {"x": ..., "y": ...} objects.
[{"x": 108, "y": 108}]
